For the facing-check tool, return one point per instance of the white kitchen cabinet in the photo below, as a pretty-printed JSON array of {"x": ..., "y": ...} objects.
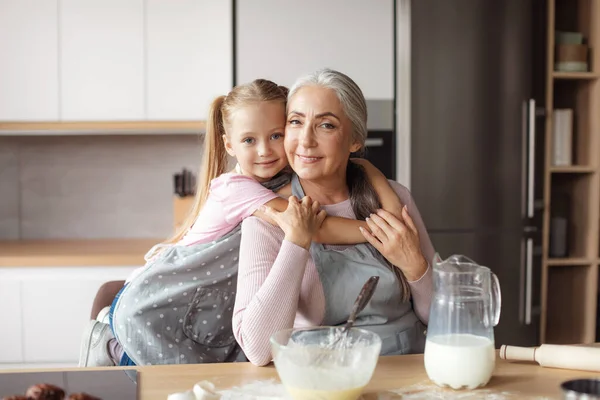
[
  {"x": 282, "y": 40},
  {"x": 53, "y": 321},
  {"x": 29, "y": 49},
  {"x": 11, "y": 334},
  {"x": 102, "y": 60},
  {"x": 49, "y": 308},
  {"x": 189, "y": 57}
]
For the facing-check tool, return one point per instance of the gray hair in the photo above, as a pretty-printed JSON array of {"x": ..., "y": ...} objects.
[{"x": 350, "y": 96}]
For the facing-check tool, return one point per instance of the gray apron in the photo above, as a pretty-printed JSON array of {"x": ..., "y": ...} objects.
[
  {"x": 344, "y": 272},
  {"x": 178, "y": 310}
]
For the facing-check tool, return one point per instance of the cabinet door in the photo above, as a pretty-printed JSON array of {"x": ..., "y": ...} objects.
[
  {"x": 29, "y": 49},
  {"x": 56, "y": 308},
  {"x": 292, "y": 39},
  {"x": 11, "y": 334},
  {"x": 189, "y": 56},
  {"x": 102, "y": 60}
]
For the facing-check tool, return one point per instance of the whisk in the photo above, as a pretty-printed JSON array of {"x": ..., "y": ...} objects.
[{"x": 359, "y": 304}]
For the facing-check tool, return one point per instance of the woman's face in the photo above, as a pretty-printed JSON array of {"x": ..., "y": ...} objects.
[{"x": 318, "y": 134}]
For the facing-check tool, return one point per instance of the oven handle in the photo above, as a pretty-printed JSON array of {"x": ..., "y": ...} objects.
[{"x": 374, "y": 142}]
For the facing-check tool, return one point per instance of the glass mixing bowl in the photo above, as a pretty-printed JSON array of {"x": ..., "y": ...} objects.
[{"x": 312, "y": 365}]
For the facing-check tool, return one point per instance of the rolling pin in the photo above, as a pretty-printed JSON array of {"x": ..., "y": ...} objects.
[{"x": 556, "y": 356}]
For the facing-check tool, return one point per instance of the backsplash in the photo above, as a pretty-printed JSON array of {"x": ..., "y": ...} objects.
[{"x": 64, "y": 187}]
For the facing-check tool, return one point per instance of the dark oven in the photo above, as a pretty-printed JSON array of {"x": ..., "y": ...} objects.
[{"x": 380, "y": 151}]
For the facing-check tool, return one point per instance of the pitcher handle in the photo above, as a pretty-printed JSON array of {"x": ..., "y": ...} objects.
[{"x": 496, "y": 300}]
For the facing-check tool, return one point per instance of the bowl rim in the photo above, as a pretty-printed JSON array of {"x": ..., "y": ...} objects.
[
  {"x": 273, "y": 341},
  {"x": 568, "y": 389}
]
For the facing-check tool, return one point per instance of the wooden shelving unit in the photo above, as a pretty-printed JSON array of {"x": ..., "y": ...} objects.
[
  {"x": 568, "y": 262},
  {"x": 570, "y": 284},
  {"x": 575, "y": 75},
  {"x": 572, "y": 169}
]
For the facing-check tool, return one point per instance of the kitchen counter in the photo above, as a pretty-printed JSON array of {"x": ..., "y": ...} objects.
[
  {"x": 74, "y": 253},
  {"x": 395, "y": 373},
  {"x": 510, "y": 380}
]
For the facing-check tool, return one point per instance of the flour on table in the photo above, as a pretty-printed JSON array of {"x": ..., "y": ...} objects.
[
  {"x": 274, "y": 390},
  {"x": 258, "y": 390},
  {"x": 430, "y": 391}
]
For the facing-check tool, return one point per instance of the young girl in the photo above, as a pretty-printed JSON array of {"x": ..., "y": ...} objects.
[{"x": 248, "y": 124}]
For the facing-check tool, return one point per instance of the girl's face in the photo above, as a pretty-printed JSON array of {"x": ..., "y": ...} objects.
[{"x": 255, "y": 138}]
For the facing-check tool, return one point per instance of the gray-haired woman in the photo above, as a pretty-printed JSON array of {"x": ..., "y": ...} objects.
[{"x": 286, "y": 281}]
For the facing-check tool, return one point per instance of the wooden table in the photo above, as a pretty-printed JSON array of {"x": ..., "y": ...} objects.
[
  {"x": 510, "y": 380},
  {"x": 520, "y": 380}
]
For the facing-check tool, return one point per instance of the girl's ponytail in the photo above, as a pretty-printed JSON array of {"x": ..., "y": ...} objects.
[{"x": 214, "y": 163}]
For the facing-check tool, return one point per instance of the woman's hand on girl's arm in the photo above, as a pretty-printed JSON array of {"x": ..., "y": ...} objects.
[
  {"x": 398, "y": 241},
  {"x": 389, "y": 199}
]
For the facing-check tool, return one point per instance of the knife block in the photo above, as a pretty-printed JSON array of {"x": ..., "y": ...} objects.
[{"x": 181, "y": 209}]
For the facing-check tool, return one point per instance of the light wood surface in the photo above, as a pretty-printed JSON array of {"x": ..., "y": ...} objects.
[
  {"x": 516, "y": 379},
  {"x": 392, "y": 373},
  {"x": 101, "y": 127},
  {"x": 181, "y": 209},
  {"x": 74, "y": 253}
]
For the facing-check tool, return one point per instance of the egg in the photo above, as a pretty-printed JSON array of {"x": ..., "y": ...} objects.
[{"x": 206, "y": 391}]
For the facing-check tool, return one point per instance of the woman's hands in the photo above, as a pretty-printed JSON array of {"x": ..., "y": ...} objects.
[
  {"x": 299, "y": 221},
  {"x": 398, "y": 241}
]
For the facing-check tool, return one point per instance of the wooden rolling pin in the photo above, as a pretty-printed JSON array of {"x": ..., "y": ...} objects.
[{"x": 556, "y": 356}]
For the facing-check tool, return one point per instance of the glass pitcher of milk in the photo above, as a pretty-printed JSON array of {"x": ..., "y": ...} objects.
[{"x": 460, "y": 351}]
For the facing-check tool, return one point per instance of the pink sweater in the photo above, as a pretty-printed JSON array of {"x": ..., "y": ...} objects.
[{"x": 279, "y": 286}]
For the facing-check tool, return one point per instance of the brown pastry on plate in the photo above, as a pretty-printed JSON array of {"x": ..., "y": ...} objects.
[{"x": 45, "y": 391}]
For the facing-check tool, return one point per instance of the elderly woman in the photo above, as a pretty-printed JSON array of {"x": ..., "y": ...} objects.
[{"x": 286, "y": 281}]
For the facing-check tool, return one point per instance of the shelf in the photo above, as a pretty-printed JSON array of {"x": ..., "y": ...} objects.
[
  {"x": 572, "y": 169},
  {"x": 575, "y": 75},
  {"x": 579, "y": 96},
  {"x": 101, "y": 128},
  {"x": 572, "y": 197},
  {"x": 568, "y": 262},
  {"x": 571, "y": 307}
]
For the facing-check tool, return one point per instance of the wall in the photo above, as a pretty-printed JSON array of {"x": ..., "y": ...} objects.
[
  {"x": 403, "y": 82},
  {"x": 91, "y": 186}
]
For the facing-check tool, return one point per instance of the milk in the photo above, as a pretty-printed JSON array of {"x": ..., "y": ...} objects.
[{"x": 459, "y": 360}]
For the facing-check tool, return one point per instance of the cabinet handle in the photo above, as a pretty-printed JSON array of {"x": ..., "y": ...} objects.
[
  {"x": 528, "y": 280},
  {"x": 531, "y": 158},
  {"x": 374, "y": 142}
]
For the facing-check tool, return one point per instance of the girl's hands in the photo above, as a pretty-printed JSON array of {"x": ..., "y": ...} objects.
[{"x": 299, "y": 221}]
